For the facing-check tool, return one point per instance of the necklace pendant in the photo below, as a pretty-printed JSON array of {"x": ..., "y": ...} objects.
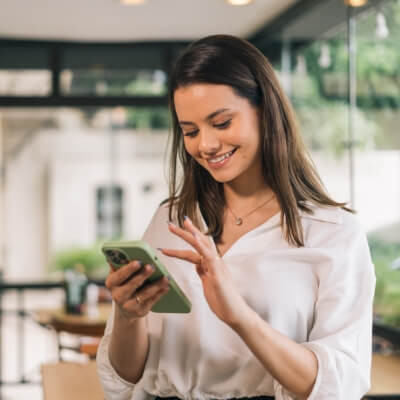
[{"x": 239, "y": 221}]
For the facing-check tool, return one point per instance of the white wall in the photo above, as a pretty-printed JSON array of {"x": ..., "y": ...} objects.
[
  {"x": 51, "y": 188},
  {"x": 377, "y": 184},
  {"x": 75, "y": 175},
  {"x": 25, "y": 213}
]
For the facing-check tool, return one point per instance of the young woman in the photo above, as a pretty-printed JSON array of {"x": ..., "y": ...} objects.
[{"x": 279, "y": 275}]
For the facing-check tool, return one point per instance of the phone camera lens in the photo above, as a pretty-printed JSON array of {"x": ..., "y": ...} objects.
[{"x": 117, "y": 257}]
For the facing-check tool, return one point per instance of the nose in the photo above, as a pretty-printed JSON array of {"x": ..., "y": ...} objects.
[{"x": 209, "y": 142}]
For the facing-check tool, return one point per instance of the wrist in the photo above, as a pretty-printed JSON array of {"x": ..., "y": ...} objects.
[{"x": 122, "y": 319}]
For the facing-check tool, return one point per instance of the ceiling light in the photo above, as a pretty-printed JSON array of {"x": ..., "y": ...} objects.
[
  {"x": 132, "y": 2},
  {"x": 324, "y": 59},
  {"x": 355, "y": 3},
  {"x": 301, "y": 66},
  {"x": 239, "y": 2},
  {"x": 382, "y": 31}
]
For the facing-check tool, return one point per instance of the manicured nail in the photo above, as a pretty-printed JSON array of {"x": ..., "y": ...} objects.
[
  {"x": 159, "y": 248},
  {"x": 185, "y": 217}
]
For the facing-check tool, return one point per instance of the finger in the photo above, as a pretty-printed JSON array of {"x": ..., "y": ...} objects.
[
  {"x": 203, "y": 244},
  {"x": 185, "y": 235},
  {"x": 111, "y": 266},
  {"x": 149, "y": 303},
  {"x": 147, "y": 293},
  {"x": 120, "y": 275},
  {"x": 191, "y": 227},
  {"x": 186, "y": 255},
  {"x": 123, "y": 292},
  {"x": 145, "y": 306},
  {"x": 205, "y": 250}
]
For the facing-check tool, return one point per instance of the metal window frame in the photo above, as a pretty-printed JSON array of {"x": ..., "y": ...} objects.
[{"x": 56, "y": 99}]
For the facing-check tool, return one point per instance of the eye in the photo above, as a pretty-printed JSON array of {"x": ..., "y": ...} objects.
[
  {"x": 192, "y": 133},
  {"x": 224, "y": 124}
]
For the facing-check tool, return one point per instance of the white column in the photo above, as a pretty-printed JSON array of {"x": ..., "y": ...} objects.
[{"x": 2, "y": 177}]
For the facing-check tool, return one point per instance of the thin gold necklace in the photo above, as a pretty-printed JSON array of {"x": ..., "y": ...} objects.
[{"x": 239, "y": 220}]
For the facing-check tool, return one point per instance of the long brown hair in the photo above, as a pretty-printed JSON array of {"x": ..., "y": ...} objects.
[{"x": 287, "y": 165}]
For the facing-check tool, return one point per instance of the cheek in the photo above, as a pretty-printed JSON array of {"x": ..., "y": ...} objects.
[{"x": 190, "y": 146}]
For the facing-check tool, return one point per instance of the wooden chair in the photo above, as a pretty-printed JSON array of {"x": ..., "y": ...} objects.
[{"x": 67, "y": 380}]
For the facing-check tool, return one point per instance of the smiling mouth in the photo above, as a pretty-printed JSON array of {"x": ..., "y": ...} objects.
[{"x": 221, "y": 158}]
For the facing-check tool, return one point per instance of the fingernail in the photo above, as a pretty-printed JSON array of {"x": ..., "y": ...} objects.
[
  {"x": 140, "y": 263},
  {"x": 169, "y": 222},
  {"x": 159, "y": 248},
  {"x": 153, "y": 267},
  {"x": 185, "y": 217}
]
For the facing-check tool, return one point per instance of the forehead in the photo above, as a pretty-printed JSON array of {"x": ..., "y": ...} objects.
[{"x": 202, "y": 99}]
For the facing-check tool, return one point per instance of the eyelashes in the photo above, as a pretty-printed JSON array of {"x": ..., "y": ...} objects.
[{"x": 223, "y": 125}]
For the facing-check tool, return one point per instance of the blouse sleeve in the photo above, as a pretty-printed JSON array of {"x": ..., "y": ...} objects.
[
  {"x": 341, "y": 335},
  {"x": 114, "y": 386}
]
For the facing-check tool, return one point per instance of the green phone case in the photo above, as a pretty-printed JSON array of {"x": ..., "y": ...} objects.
[{"x": 120, "y": 253}]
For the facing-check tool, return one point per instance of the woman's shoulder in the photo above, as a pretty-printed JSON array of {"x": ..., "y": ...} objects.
[
  {"x": 162, "y": 212},
  {"x": 330, "y": 224},
  {"x": 328, "y": 214}
]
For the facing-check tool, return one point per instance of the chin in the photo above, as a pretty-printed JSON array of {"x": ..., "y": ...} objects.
[{"x": 222, "y": 177}]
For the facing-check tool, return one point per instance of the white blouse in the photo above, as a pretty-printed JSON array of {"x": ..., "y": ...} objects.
[{"x": 319, "y": 295}]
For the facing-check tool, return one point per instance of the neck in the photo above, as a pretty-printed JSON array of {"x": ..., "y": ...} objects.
[{"x": 247, "y": 194}]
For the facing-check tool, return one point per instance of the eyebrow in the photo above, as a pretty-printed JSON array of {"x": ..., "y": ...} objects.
[{"x": 210, "y": 116}]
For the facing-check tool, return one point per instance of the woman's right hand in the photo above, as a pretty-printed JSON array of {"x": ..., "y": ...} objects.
[{"x": 125, "y": 286}]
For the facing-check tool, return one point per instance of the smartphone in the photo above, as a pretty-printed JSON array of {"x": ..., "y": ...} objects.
[{"x": 121, "y": 253}]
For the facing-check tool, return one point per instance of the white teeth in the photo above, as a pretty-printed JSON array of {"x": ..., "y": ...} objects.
[{"x": 219, "y": 159}]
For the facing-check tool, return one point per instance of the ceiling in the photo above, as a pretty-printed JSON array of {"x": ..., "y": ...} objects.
[{"x": 156, "y": 20}]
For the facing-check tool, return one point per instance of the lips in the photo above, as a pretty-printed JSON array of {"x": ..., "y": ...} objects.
[
  {"x": 222, "y": 157},
  {"x": 220, "y": 161}
]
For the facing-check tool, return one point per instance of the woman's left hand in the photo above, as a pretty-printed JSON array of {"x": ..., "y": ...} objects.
[{"x": 219, "y": 289}]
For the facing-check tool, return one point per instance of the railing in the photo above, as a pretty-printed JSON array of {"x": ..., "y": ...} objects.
[
  {"x": 22, "y": 314},
  {"x": 389, "y": 333}
]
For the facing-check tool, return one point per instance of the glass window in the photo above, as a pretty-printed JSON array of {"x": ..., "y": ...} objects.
[
  {"x": 24, "y": 71},
  {"x": 25, "y": 82},
  {"x": 318, "y": 91},
  {"x": 377, "y": 164},
  {"x": 120, "y": 71},
  {"x": 109, "y": 201}
]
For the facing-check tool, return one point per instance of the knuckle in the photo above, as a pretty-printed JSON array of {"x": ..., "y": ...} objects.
[
  {"x": 118, "y": 301},
  {"x": 125, "y": 306},
  {"x": 133, "y": 283},
  {"x": 107, "y": 283},
  {"x": 149, "y": 269}
]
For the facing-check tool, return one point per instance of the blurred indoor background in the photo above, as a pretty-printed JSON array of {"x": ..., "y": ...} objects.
[{"x": 84, "y": 131}]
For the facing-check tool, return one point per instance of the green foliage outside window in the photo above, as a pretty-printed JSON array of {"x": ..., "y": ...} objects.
[
  {"x": 387, "y": 292},
  {"x": 88, "y": 259}
]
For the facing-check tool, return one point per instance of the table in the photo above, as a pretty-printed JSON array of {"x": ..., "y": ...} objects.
[{"x": 83, "y": 325}]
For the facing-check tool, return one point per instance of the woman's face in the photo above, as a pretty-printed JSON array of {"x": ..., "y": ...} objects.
[{"x": 221, "y": 130}]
